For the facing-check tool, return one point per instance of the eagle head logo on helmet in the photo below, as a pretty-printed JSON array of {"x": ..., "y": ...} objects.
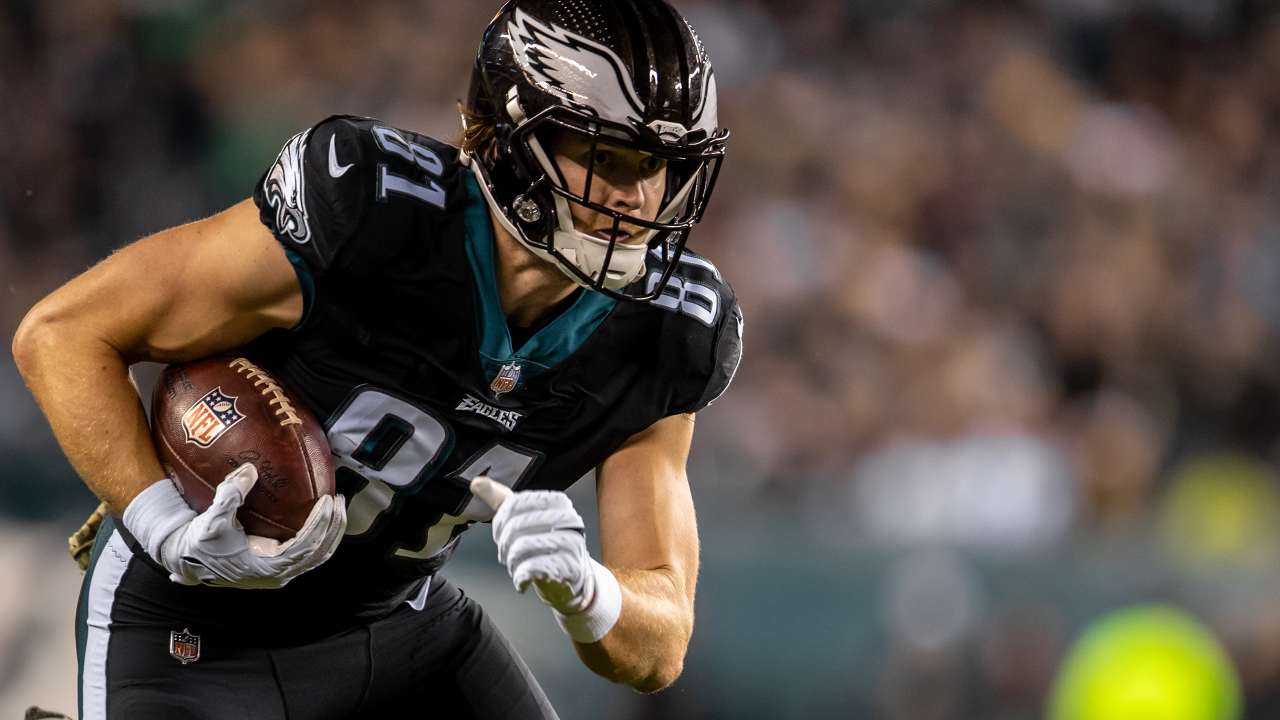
[{"x": 551, "y": 66}]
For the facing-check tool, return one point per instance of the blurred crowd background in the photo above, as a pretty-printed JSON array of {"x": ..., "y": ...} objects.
[{"x": 1011, "y": 278}]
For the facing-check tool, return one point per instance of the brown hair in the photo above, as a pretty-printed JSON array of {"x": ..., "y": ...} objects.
[{"x": 478, "y": 137}]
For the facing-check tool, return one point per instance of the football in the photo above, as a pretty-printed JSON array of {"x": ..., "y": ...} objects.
[{"x": 210, "y": 416}]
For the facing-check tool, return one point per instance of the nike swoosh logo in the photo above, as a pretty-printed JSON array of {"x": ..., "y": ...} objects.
[{"x": 336, "y": 170}]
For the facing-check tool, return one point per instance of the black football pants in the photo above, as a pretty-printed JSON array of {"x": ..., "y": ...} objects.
[{"x": 447, "y": 660}]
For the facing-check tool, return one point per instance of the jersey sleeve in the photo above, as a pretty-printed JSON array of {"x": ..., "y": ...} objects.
[
  {"x": 314, "y": 195},
  {"x": 701, "y": 336},
  {"x": 726, "y": 356}
]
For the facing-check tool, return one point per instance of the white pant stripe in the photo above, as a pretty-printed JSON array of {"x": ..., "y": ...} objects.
[{"x": 107, "y": 572}]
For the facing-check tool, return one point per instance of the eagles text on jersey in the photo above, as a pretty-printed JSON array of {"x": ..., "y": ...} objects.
[{"x": 404, "y": 350}]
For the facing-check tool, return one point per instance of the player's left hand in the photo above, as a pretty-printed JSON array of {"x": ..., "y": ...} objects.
[{"x": 541, "y": 540}]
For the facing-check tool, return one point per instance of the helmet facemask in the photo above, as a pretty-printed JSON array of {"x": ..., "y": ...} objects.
[{"x": 542, "y": 217}]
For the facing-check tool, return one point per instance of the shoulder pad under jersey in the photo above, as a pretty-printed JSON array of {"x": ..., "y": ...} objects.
[{"x": 327, "y": 180}]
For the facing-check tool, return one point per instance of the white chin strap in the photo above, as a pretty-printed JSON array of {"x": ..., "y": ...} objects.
[
  {"x": 587, "y": 252},
  {"x": 584, "y": 251}
]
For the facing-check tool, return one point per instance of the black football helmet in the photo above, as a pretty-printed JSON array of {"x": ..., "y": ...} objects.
[{"x": 624, "y": 73}]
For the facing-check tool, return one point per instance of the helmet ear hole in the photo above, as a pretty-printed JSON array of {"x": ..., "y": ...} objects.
[{"x": 527, "y": 209}]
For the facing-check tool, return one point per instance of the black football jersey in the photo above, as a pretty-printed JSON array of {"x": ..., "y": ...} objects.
[{"x": 404, "y": 353}]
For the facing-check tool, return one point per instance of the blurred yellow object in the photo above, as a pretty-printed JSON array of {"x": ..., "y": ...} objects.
[
  {"x": 1148, "y": 662},
  {"x": 1222, "y": 512}
]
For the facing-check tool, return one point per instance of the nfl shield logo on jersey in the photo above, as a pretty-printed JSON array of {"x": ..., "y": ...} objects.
[
  {"x": 184, "y": 646},
  {"x": 506, "y": 380},
  {"x": 209, "y": 418}
]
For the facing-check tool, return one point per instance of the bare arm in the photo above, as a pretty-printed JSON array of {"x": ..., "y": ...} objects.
[
  {"x": 649, "y": 540},
  {"x": 178, "y": 295}
]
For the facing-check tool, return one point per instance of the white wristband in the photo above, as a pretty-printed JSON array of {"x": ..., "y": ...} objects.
[
  {"x": 600, "y": 616},
  {"x": 155, "y": 513}
]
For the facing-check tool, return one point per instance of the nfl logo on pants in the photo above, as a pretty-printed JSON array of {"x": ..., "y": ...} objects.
[{"x": 184, "y": 646}]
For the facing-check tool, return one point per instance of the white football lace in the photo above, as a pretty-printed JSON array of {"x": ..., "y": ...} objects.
[{"x": 286, "y": 408}]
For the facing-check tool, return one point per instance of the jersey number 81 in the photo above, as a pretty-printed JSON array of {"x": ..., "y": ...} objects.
[{"x": 395, "y": 446}]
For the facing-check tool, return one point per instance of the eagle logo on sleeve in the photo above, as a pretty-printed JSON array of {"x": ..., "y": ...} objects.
[{"x": 285, "y": 188}]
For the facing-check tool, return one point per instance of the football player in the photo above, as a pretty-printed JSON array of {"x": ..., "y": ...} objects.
[{"x": 479, "y": 328}]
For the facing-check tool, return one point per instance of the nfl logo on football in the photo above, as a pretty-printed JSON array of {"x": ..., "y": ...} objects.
[
  {"x": 209, "y": 418},
  {"x": 184, "y": 646},
  {"x": 506, "y": 380}
]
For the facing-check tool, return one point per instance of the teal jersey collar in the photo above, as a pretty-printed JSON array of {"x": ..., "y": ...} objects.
[{"x": 552, "y": 343}]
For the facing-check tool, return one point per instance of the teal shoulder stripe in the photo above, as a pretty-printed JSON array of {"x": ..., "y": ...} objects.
[
  {"x": 306, "y": 282},
  {"x": 551, "y": 344}
]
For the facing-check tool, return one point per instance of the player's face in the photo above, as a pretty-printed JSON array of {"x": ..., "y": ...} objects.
[{"x": 625, "y": 180}]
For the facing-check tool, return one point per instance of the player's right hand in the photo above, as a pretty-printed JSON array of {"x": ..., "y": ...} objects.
[{"x": 212, "y": 548}]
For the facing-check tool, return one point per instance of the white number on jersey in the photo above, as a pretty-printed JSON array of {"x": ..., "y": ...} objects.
[{"x": 396, "y": 445}]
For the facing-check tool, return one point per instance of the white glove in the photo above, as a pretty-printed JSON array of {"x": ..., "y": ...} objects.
[
  {"x": 541, "y": 541},
  {"x": 212, "y": 547}
]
